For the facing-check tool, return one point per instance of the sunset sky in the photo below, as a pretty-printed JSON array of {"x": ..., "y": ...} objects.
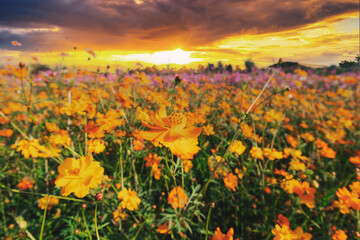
[{"x": 314, "y": 32}]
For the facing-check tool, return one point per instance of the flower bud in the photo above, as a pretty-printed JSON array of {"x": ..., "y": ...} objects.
[
  {"x": 99, "y": 196},
  {"x": 21, "y": 65},
  {"x": 178, "y": 79},
  {"x": 52, "y": 182}
]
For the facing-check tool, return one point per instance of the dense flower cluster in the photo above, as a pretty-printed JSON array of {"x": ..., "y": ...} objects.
[{"x": 152, "y": 153}]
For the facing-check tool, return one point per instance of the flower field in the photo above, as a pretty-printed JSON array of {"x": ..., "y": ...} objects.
[{"x": 117, "y": 155}]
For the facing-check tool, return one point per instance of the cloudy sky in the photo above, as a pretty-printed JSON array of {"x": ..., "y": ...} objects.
[{"x": 319, "y": 32}]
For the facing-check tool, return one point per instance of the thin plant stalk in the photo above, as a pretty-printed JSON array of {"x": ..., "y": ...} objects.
[
  {"x": 121, "y": 168},
  {"x": 3, "y": 212},
  {"x": 96, "y": 226},
  {"x": 44, "y": 217},
  {"x": 86, "y": 226},
  {"x": 207, "y": 223}
]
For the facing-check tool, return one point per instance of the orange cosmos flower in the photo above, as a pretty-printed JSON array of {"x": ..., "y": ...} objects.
[
  {"x": 96, "y": 146},
  {"x": 217, "y": 163},
  {"x": 61, "y": 138},
  {"x": 272, "y": 154},
  {"x": 231, "y": 181},
  {"x": 240, "y": 173},
  {"x": 257, "y": 153},
  {"x": 187, "y": 163},
  {"x": 138, "y": 145},
  {"x": 348, "y": 199},
  {"x": 292, "y": 141},
  {"x": 306, "y": 194},
  {"x": 52, "y": 202},
  {"x": 339, "y": 235},
  {"x": 299, "y": 233},
  {"x": 29, "y": 148},
  {"x": 208, "y": 130},
  {"x": 177, "y": 198},
  {"x": 119, "y": 214},
  {"x": 218, "y": 235},
  {"x": 282, "y": 220},
  {"x": 163, "y": 229},
  {"x": 90, "y": 51},
  {"x": 282, "y": 232},
  {"x": 327, "y": 152},
  {"x": 272, "y": 115},
  {"x": 15, "y": 43},
  {"x": 93, "y": 130},
  {"x": 63, "y": 54},
  {"x": 25, "y": 184},
  {"x": 129, "y": 199},
  {"x": 152, "y": 159},
  {"x": 355, "y": 160},
  {"x": 79, "y": 175},
  {"x": 171, "y": 131},
  {"x": 6, "y": 132},
  {"x": 237, "y": 147},
  {"x": 157, "y": 171},
  {"x": 52, "y": 127}
]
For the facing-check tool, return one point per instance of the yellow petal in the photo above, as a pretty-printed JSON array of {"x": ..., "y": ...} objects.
[
  {"x": 68, "y": 164},
  {"x": 61, "y": 180},
  {"x": 81, "y": 191},
  {"x": 72, "y": 186}
]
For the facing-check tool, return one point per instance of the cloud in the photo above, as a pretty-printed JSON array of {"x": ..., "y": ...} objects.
[{"x": 160, "y": 24}]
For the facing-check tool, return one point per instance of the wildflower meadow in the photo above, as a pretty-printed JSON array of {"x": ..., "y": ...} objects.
[{"x": 188, "y": 154}]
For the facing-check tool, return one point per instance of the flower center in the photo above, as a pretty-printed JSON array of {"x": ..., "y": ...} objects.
[
  {"x": 176, "y": 119},
  {"x": 76, "y": 171}
]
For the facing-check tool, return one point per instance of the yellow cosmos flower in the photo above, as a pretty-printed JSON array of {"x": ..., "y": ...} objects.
[
  {"x": 237, "y": 147},
  {"x": 129, "y": 199},
  {"x": 218, "y": 235},
  {"x": 52, "y": 202},
  {"x": 28, "y": 148},
  {"x": 177, "y": 198},
  {"x": 171, "y": 132},
  {"x": 79, "y": 175},
  {"x": 231, "y": 181}
]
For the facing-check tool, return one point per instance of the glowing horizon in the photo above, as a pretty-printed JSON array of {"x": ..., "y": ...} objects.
[{"x": 319, "y": 36}]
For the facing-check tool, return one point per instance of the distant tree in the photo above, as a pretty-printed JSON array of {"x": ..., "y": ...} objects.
[
  {"x": 37, "y": 67},
  {"x": 220, "y": 67},
  {"x": 349, "y": 65},
  {"x": 200, "y": 68},
  {"x": 229, "y": 68},
  {"x": 250, "y": 65},
  {"x": 210, "y": 67}
]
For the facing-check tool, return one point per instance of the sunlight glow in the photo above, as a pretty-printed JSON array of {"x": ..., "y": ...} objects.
[
  {"x": 28, "y": 30},
  {"x": 176, "y": 56}
]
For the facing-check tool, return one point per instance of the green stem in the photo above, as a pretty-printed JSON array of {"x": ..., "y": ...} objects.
[
  {"x": 358, "y": 222},
  {"x": 171, "y": 173},
  {"x": 137, "y": 233},
  {"x": 121, "y": 168},
  {"x": 40, "y": 194},
  {"x": 307, "y": 216},
  {"x": 44, "y": 217},
  {"x": 3, "y": 212},
  {"x": 172, "y": 99},
  {"x": 87, "y": 229},
  {"x": 96, "y": 226},
  {"x": 182, "y": 174},
  {"x": 207, "y": 223}
]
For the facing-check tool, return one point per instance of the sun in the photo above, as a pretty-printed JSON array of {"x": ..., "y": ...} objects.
[{"x": 177, "y": 56}]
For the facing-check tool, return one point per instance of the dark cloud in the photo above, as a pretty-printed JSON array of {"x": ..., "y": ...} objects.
[{"x": 185, "y": 22}]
